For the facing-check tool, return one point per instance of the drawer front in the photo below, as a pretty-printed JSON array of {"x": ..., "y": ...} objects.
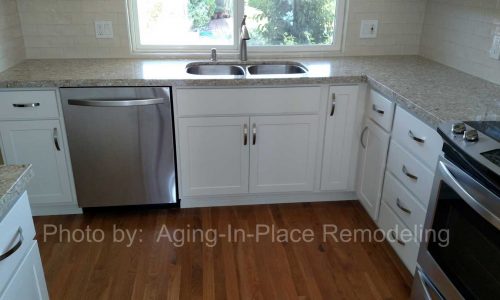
[
  {"x": 411, "y": 172},
  {"x": 248, "y": 101},
  {"x": 402, "y": 239},
  {"x": 380, "y": 109},
  {"x": 406, "y": 207},
  {"x": 418, "y": 138},
  {"x": 17, "y": 224},
  {"x": 16, "y": 105}
]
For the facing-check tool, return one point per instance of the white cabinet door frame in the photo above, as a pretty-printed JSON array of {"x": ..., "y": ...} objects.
[
  {"x": 283, "y": 153},
  {"x": 339, "y": 150},
  {"x": 213, "y": 156},
  {"x": 372, "y": 162},
  {"x": 42, "y": 144}
]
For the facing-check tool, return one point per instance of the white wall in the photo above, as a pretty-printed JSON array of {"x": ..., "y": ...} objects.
[
  {"x": 65, "y": 29},
  {"x": 11, "y": 40},
  {"x": 459, "y": 33}
]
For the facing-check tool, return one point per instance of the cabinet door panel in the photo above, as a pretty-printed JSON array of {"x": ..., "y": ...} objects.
[
  {"x": 213, "y": 156},
  {"x": 339, "y": 135},
  {"x": 28, "y": 281},
  {"x": 372, "y": 161},
  {"x": 283, "y": 155},
  {"x": 36, "y": 143}
]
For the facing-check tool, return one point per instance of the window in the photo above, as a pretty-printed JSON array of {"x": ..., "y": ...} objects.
[{"x": 195, "y": 25}]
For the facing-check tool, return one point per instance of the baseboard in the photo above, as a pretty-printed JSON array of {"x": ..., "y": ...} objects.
[
  {"x": 53, "y": 210},
  {"x": 212, "y": 201}
]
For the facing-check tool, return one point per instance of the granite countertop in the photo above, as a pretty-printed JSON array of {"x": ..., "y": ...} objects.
[
  {"x": 433, "y": 92},
  {"x": 13, "y": 182}
]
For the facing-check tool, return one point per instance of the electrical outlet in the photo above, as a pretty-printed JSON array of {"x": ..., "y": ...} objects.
[
  {"x": 369, "y": 29},
  {"x": 495, "y": 48},
  {"x": 103, "y": 29}
]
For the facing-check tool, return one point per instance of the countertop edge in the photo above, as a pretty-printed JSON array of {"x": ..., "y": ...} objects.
[{"x": 17, "y": 188}]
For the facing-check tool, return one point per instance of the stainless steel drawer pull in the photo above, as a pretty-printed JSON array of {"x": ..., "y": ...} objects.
[
  {"x": 404, "y": 209},
  {"x": 15, "y": 247},
  {"x": 115, "y": 102},
  {"x": 393, "y": 235},
  {"x": 21, "y": 105},
  {"x": 408, "y": 174},
  {"x": 254, "y": 134},
  {"x": 245, "y": 135},
  {"x": 56, "y": 140},
  {"x": 362, "y": 136},
  {"x": 379, "y": 111},
  {"x": 334, "y": 103},
  {"x": 416, "y": 139}
]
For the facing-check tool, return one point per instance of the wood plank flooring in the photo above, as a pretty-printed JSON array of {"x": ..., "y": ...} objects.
[{"x": 154, "y": 268}]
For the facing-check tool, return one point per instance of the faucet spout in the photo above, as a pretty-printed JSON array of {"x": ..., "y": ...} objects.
[{"x": 244, "y": 37}]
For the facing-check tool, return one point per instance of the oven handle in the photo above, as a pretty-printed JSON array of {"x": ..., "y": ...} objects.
[
  {"x": 427, "y": 287},
  {"x": 459, "y": 180}
]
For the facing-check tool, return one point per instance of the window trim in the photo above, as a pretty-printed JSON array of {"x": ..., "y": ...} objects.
[{"x": 175, "y": 50}]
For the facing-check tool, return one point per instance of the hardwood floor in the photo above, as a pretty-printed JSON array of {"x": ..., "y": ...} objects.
[{"x": 258, "y": 268}]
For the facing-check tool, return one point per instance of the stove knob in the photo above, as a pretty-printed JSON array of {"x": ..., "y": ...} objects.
[
  {"x": 458, "y": 128},
  {"x": 471, "y": 135}
]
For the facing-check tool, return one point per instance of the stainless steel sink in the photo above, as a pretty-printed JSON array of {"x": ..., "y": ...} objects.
[
  {"x": 276, "y": 69},
  {"x": 214, "y": 70}
]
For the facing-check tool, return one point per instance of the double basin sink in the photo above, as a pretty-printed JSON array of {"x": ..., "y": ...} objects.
[{"x": 237, "y": 69}]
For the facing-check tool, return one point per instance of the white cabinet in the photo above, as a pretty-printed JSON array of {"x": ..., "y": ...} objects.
[
  {"x": 41, "y": 144},
  {"x": 339, "y": 138},
  {"x": 282, "y": 153},
  {"x": 372, "y": 161},
  {"x": 214, "y": 155},
  {"x": 32, "y": 132},
  {"x": 237, "y": 155},
  {"x": 28, "y": 282}
]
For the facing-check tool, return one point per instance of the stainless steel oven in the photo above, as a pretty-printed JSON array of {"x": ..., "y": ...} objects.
[{"x": 459, "y": 257}]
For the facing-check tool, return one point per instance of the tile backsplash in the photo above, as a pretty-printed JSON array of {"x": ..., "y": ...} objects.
[
  {"x": 459, "y": 33},
  {"x": 11, "y": 38},
  {"x": 65, "y": 29}
]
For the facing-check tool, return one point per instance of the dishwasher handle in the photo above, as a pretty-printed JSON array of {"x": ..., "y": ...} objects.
[{"x": 115, "y": 102}]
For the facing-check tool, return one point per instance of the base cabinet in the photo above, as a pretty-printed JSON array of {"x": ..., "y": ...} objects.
[
  {"x": 39, "y": 143},
  {"x": 339, "y": 149},
  {"x": 238, "y": 155},
  {"x": 28, "y": 281},
  {"x": 372, "y": 161}
]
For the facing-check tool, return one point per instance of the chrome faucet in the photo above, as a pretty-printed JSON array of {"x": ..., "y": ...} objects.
[{"x": 244, "y": 37}]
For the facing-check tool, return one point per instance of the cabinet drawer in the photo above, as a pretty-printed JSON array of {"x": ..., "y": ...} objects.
[
  {"x": 16, "y": 105},
  {"x": 418, "y": 138},
  {"x": 402, "y": 202},
  {"x": 16, "y": 225},
  {"x": 380, "y": 110},
  {"x": 402, "y": 239},
  {"x": 246, "y": 101},
  {"x": 411, "y": 172}
]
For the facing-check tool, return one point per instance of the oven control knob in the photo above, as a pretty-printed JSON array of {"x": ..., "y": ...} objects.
[
  {"x": 458, "y": 128},
  {"x": 471, "y": 135}
]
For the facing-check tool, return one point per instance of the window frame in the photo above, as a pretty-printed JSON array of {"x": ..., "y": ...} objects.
[{"x": 238, "y": 8}]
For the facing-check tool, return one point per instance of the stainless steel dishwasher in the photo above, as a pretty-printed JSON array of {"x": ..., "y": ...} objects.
[{"x": 121, "y": 143}]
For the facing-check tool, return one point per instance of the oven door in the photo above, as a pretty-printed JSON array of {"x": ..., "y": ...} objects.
[{"x": 461, "y": 252}]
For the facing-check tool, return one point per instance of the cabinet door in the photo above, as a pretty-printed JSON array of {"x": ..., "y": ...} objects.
[
  {"x": 339, "y": 138},
  {"x": 28, "y": 281},
  {"x": 372, "y": 161},
  {"x": 39, "y": 143},
  {"x": 214, "y": 155},
  {"x": 282, "y": 153}
]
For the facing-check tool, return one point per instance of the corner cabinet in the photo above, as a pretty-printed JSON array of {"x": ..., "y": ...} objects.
[
  {"x": 31, "y": 132},
  {"x": 372, "y": 161}
]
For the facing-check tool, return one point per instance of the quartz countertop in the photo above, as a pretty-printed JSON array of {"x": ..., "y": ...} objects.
[
  {"x": 13, "y": 182},
  {"x": 433, "y": 92}
]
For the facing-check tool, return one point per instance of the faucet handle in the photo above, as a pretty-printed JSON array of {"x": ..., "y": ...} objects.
[{"x": 213, "y": 56}]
